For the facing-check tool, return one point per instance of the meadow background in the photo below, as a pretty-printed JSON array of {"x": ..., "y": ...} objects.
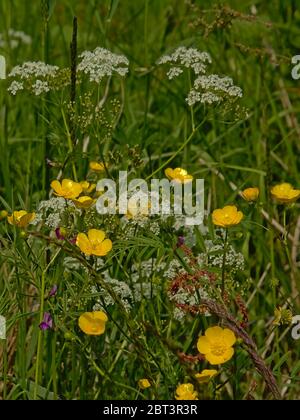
[{"x": 145, "y": 122}]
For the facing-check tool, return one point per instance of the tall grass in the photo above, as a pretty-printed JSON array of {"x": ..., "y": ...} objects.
[{"x": 151, "y": 125}]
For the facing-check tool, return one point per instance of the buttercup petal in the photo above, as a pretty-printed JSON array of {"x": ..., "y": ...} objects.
[
  {"x": 19, "y": 214},
  {"x": 214, "y": 333},
  {"x": 84, "y": 244},
  {"x": 83, "y": 202},
  {"x": 67, "y": 184},
  {"x": 169, "y": 173},
  {"x": 213, "y": 359},
  {"x": 10, "y": 219},
  {"x": 96, "y": 236},
  {"x": 27, "y": 218},
  {"x": 228, "y": 337},
  {"x": 239, "y": 217},
  {"x": 206, "y": 375},
  {"x": 100, "y": 315},
  {"x": 103, "y": 248},
  {"x": 180, "y": 172},
  {"x": 203, "y": 345},
  {"x": 228, "y": 354},
  {"x": 55, "y": 185}
]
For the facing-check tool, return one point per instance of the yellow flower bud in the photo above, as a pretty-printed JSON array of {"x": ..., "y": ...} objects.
[
  {"x": 250, "y": 194},
  {"x": 144, "y": 383},
  {"x": 3, "y": 214}
]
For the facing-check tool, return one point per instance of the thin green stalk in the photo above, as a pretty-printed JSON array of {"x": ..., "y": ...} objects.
[
  {"x": 53, "y": 367},
  {"x": 191, "y": 107},
  {"x": 184, "y": 144},
  {"x": 73, "y": 58},
  {"x": 38, "y": 366},
  {"x": 285, "y": 241},
  {"x": 45, "y": 53},
  {"x": 70, "y": 145},
  {"x": 40, "y": 338},
  {"x": 146, "y": 30},
  {"x": 224, "y": 262}
]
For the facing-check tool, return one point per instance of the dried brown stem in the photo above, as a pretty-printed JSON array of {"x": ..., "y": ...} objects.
[{"x": 220, "y": 311}]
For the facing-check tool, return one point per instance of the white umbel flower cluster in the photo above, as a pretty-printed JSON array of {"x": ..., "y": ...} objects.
[
  {"x": 15, "y": 87},
  {"x": 51, "y": 212},
  {"x": 34, "y": 69},
  {"x": 213, "y": 88},
  {"x": 207, "y": 89},
  {"x": 40, "y": 87},
  {"x": 144, "y": 283},
  {"x": 34, "y": 75},
  {"x": 120, "y": 288},
  {"x": 14, "y": 39},
  {"x": 214, "y": 257},
  {"x": 101, "y": 63},
  {"x": 190, "y": 58}
]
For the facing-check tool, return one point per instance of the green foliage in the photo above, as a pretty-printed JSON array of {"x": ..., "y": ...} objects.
[{"x": 143, "y": 124}]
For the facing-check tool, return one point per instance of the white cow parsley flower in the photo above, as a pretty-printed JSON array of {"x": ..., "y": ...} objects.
[
  {"x": 15, "y": 87},
  {"x": 35, "y": 76},
  {"x": 190, "y": 58},
  {"x": 102, "y": 62},
  {"x": 174, "y": 72},
  {"x": 214, "y": 257},
  {"x": 40, "y": 87},
  {"x": 34, "y": 69},
  {"x": 53, "y": 211},
  {"x": 207, "y": 89},
  {"x": 210, "y": 89},
  {"x": 120, "y": 288}
]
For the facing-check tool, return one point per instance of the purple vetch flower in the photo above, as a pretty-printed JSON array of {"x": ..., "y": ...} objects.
[
  {"x": 47, "y": 322},
  {"x": 61, "y": 234},
  {"x": 180, "y": 241},
  {"x": 53, "y": 291},
  {"x": 58, "y": 233}
]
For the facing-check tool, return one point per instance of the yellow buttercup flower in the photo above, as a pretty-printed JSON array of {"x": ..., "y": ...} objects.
[
  {"x": 285, "y": 193},
  {"x": 96, "y": 166},
  {"x": 67, "y": 189},
  {"x": 179, "y": 175},
  {"x": 250, "y": 194},
  {"x": 144, "y": 383},
  {"x": 206, "y": 375},
  {"x": 93, "y": 323},
  {"x": 83, "y": 202},
  {"x": 20, "y": 218},
  {"x": 94, "y": 243},
  {"x": 216, "y": 345},
  {"x": 87, "y": 187},
  {"x": 3, "y": 214},
  {"x": 186, "y": 392},
  {"x": 227, "y": 216}
]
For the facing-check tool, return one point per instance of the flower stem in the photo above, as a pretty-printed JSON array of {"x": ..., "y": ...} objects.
[
  {"x": 45, "y": 116},
  {"x": 40, "y": 333},
  {"x": 285, "y": 241},
  {"x": 70, "y": 144},
  {"x": 40, "y": 337},
  {"x": 224, "y": 262},
  {"x": 191, "y": 107},
  {"x": 184, "y": 144}
]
